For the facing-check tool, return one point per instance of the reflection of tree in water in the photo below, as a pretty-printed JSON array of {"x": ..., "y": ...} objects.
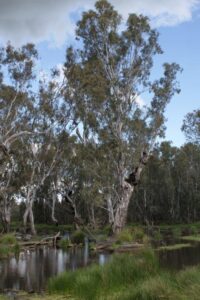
[{"x": 31, "y": 269}]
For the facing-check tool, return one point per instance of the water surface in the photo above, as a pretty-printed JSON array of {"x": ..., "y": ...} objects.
[{"x": 31, "y": 269}]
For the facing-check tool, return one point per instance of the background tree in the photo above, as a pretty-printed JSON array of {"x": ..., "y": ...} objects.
[
  {"x": 191, "y": 126},
  {"x": 16, "y": 103}
]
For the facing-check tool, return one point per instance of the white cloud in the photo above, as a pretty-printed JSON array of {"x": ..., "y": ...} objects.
[
  {"x": 140, "y": 102},
  {"x": 35, "y": 21}
]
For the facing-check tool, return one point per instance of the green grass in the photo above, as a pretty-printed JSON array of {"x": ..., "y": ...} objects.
[
  {"x": 128, "y": 277},
  {"x": 8, "y": 245},
  {"x": 7, "y": 239},
  {"x": 131, "y": 234},
  {"x": 96, "y": 281},
  {"x": 192, "y": 238},
  {"x": 157, "y": 235},
  {"x": 176, "y": 232},
  {"x": 77, "y": 237},
  {"x": 25, "y": 296},
  {"x": 174, "y": 247},
  {"x": 64, "y": 243}
]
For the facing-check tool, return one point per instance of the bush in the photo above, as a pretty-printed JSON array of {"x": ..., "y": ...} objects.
[
  {"x": 135, "y": 234},
  {"x": 8, "y": 245},
  {"x": 8, "y": 239},
  {"x": 138, "y": 233},
  {"x": 78, "y": 237},
  {"x": 64, "y": 243},
  {"x": 125, "y": 236}
]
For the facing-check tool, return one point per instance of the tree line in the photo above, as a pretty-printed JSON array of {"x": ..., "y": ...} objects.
[{"x": 82, "y": 142}]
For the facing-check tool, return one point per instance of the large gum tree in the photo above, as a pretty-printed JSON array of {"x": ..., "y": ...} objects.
[{"x": 106, "y": 74}]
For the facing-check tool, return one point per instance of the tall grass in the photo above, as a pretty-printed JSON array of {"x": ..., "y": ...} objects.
[
  {"x": 131, "y": 234},
  {"x": 8, "y": 245},
  {"x": 128, "y": 277},
  {"x": 99, "y": 281}
]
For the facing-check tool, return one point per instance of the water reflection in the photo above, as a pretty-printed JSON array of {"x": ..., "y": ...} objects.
[
  {"x": 180, "y": 258},
  {"x": 31, "y": 269}
]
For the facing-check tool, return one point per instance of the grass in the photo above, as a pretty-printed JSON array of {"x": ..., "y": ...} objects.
[
  {"x": 176, "y": 232},
  {"x": 64, "y": 243},
  {"x": 128, "y": 277},
  {"x": 50, "y": 229},
  {"x": 157, "y": 235},
  {"x": 77, "y": 237},
  {"x": 25, "y": 296},
  {"x": 174, "y": 247},
  {"x": 192, "y": 238},
  {"x": 8, "y": 245},
  {"x": 131, "y": 234},
  {"x": 99, "y": 281}
]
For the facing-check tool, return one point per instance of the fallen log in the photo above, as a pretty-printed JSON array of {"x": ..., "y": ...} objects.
[{"x": 45, "y": 241}]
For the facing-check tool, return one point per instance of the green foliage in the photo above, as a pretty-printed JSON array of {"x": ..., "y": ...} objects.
[
  {"x": 64, "y": 243},
  {"x": 8, "y": 245},
  {"x": 8, "y": 239},
  {"x": 131, "y": 234},
  {"x": 194, "y": 230},
  {"x": 96, "y": 282},
  {"x": 176, "y": 232},
  {"x": 125, "y": 235},
  {"x": 157, "y": 235},
  {"x": 191, "y": 126},
  {"x": 77, "y": 237},
  {"x": 128, "y": 277}
]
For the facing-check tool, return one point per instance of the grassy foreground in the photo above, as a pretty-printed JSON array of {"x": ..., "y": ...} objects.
[{"x": 128, "y": 277}]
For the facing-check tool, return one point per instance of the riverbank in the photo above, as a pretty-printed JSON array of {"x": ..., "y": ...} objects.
[
  {"x": 128, "y": 277},
  {"x": 137, "y": 275}
]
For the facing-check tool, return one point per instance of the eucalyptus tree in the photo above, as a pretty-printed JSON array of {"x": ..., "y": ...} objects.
[
  {"x": 16, "y": 102},
  {"x": 107, "y": 74},
  {"x": 53, "y": 119},
  {"x": 191, "y": 126}
]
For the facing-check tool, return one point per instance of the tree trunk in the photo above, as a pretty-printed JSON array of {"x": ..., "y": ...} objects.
[
  {"x": 122, "y": 208},
  {"x": 6, "y": 214},
  {"x": 28, "y": 215},
  {"x": 128, "y": 185},
  {"x": 111, "y": 217},
  {"x": 54, "y": 200}
]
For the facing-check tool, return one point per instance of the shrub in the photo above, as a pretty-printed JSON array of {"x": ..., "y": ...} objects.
[
  {"x": 64, "y": 243},
  {"x": 135, "y": 234},
  {"x": 78, "y": 237},
  {"x": 8, "y": 245},
  {"x": 125, "y": 236},
  {"x": 8, "y": 239}
]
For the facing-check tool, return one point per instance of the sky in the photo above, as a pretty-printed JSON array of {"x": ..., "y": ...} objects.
[{"x": 50, "y": 24}]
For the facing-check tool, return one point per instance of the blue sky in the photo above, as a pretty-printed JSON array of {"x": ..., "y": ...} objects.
[{"x": 50, "y": 25}]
